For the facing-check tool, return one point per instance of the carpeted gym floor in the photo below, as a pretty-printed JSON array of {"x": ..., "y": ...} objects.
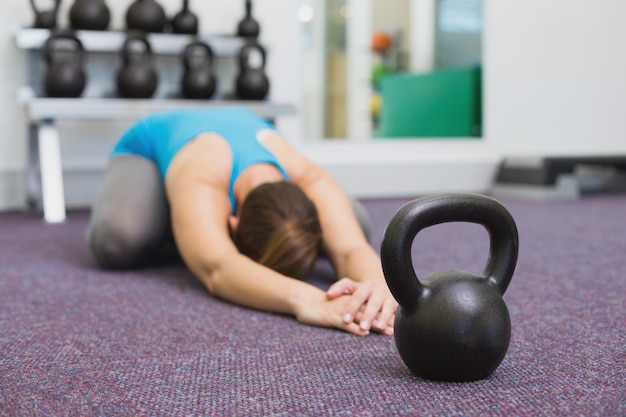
[{"x": 75, "y": 341}]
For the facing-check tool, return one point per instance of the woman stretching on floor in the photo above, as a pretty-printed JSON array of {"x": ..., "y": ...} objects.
[{"x": 249, "y": 216}]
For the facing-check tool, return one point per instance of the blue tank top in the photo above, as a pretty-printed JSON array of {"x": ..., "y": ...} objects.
[{"x": 161, "y": 135}]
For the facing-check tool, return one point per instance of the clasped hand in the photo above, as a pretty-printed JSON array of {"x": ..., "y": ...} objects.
[
  {"x": 369, "y": 305},
  {"x": 356, "y": 307}
]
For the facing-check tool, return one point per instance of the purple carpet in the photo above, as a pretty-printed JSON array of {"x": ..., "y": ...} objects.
[{"x": 75, "y": 341}]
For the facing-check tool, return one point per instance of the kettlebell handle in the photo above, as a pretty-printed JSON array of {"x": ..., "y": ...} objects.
[
  {"x": 127, "y": 53},
  {"x": 47, "y": 46},
  {"x": 55, "y": 7},
  {"x": 244, "y": 55},
  {"x": 188, "y": 53},
  {"x": 424, "y": 212}
]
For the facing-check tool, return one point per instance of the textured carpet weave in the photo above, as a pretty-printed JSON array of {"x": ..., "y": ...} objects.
[{"x": 75, "y": 341}]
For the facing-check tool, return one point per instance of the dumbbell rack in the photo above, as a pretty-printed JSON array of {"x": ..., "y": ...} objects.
[{"x": 45, "y": 178}]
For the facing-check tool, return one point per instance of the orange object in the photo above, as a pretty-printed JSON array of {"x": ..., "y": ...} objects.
[{"x": 381, "y": 42}]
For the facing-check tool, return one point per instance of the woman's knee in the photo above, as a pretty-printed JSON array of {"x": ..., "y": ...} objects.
[
  {"x": 115, "y": 245},
  {"x": 130, "y": 215}
]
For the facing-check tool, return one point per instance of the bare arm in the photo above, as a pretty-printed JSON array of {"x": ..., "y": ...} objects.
[{"x": 200, "y": 213}]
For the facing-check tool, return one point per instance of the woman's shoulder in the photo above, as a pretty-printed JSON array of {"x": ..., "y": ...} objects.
[{"x": 207, "y": 157}]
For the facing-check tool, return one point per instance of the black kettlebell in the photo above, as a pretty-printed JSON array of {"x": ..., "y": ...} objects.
[
  {"x": 451, "y": 325},
  {"x": 185, "y": 22},
  {"x": 45, "y": 19},
  {"x": 248, "y": 27},
  {"x": 252, "y": 83},
  {"x": 90, "y": 15},
  {"x": 138, "y": 77},
  {"x": 146, "y": 15},
  {"x": 65, "y": 75},
  {"x": 198, "y": 81}
]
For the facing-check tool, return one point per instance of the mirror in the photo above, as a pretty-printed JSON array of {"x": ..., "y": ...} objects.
[{"x": 377, "y": 69}]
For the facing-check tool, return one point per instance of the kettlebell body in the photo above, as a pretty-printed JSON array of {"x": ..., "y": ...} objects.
[
  {"x": 90, "y": 15},
  {"x": 137, "y": 78},
  {"x": 146, "y": 15},
  {"x": 198, "y": 81},
  {"x": 451, "y": 325},
  {"x": 248, "y": 27},
  {"x": 65, "y": 75},
  {"x": 45, "y": 19},
  {"x": 252, "y": 83},
  {"x": 185, "y": 22}
]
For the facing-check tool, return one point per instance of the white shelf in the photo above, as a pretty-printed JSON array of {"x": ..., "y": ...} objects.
[
  {"x": 39, "y": 109},
  {"x": 111, "y": 41}
]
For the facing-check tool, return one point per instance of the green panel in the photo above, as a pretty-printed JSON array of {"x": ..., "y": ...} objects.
[{"x": 444, "y": 103}]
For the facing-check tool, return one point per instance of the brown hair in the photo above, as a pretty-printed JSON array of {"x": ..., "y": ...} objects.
[{"x": 279, "y": 228}]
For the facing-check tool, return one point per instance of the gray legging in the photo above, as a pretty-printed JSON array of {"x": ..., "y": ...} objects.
[{"x": 130, "y": 223}]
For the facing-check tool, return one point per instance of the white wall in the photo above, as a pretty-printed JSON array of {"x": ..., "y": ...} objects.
[
  {"x": 553, "y": 82},
  {"x": 555, "y": 76}
]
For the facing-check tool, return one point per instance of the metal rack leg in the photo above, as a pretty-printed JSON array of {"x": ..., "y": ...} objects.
[
  {"x": 33, "y": 174},
  {"x": 51, "y": 173}
]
